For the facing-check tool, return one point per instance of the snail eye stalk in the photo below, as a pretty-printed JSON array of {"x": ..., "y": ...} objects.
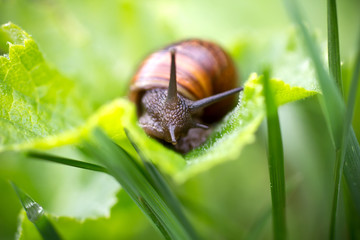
[
  {"x": 172, "y": 90},
  {"x": 202, "y": 103},
  {"x": 172, "y": 134}
]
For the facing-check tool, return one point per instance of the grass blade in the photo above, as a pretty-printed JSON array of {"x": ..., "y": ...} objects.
[
  {"x": 333, "y": 43},
  {"x": 352, "y": 214},
  {"x": 352, "y": 155},
  {"x": 35, "y": 214},
  {"x": 338, "y": 118},
  {"x": 162, "y": 187},
  {"x": 353, "y": 87},
  {"x": 340, "y": 155},
  {"x": 332, "y": 103},
  {"x": 66, "y": 161},
  {"x": 276, "y": 162},
  {"x": 352, "y": 169},
  {"x": 133, "y": 180}
]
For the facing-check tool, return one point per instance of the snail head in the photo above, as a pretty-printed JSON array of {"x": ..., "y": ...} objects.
[{"x": 167, "y": 115}]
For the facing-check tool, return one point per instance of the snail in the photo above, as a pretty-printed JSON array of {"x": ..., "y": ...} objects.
[{"x": 183, "y": 88}]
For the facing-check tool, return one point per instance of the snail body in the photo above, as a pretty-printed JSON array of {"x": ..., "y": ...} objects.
[{"x": 181, "y": 87}]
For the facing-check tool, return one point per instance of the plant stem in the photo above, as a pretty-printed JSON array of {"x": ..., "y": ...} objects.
[
  {"x": 334, "y": 67},
  {"x": 338, "y": 175},
  {"x": 333, "y": 44},
  {"x": 276, "y": 162}
]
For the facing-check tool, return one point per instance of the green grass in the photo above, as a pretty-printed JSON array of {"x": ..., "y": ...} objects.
[
  {"x": 339, "y": 116},
  {"x": 145, "y": 186},
  {"x": 332, "y": 103},
  {"x": 36, "y": 215},
  {"x": 66, "y": 161},
  {"x": 351, "y": 151},
  {"x": 333, "y": 43},
  {"x": 335, "y": 70},
  {"x": 163, "y": 188},
  {"x": 276, "y": 162}
]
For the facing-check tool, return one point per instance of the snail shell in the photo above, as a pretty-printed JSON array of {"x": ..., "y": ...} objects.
[{"x": 203, "y": 70}]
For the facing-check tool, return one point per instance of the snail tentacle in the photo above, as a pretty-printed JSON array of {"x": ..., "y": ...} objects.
[
  {"x": 172, "y": 90},
  {"x": 202, "y": 103}
]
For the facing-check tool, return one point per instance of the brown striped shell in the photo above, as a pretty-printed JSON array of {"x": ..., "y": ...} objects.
[{"x": 203, "y": 69}]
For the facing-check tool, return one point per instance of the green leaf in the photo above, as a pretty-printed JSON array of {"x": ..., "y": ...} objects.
[
  {"x": 35, "y": 100},
  {"x": 238, "y": 129},
  {"x": 114, "y": 118}
]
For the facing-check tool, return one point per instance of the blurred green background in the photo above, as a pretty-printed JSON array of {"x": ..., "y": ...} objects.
[{"x": 101, "y": 43}]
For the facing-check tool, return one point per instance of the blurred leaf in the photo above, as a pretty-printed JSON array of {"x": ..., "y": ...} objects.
[
  {"x": 61, "y": 190},
  {"x": 292, "y": 64},
  {"x": 126, "y": 222},
  {"x": 35, "y": 100},
  {"x": 98, "y": 43}
]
